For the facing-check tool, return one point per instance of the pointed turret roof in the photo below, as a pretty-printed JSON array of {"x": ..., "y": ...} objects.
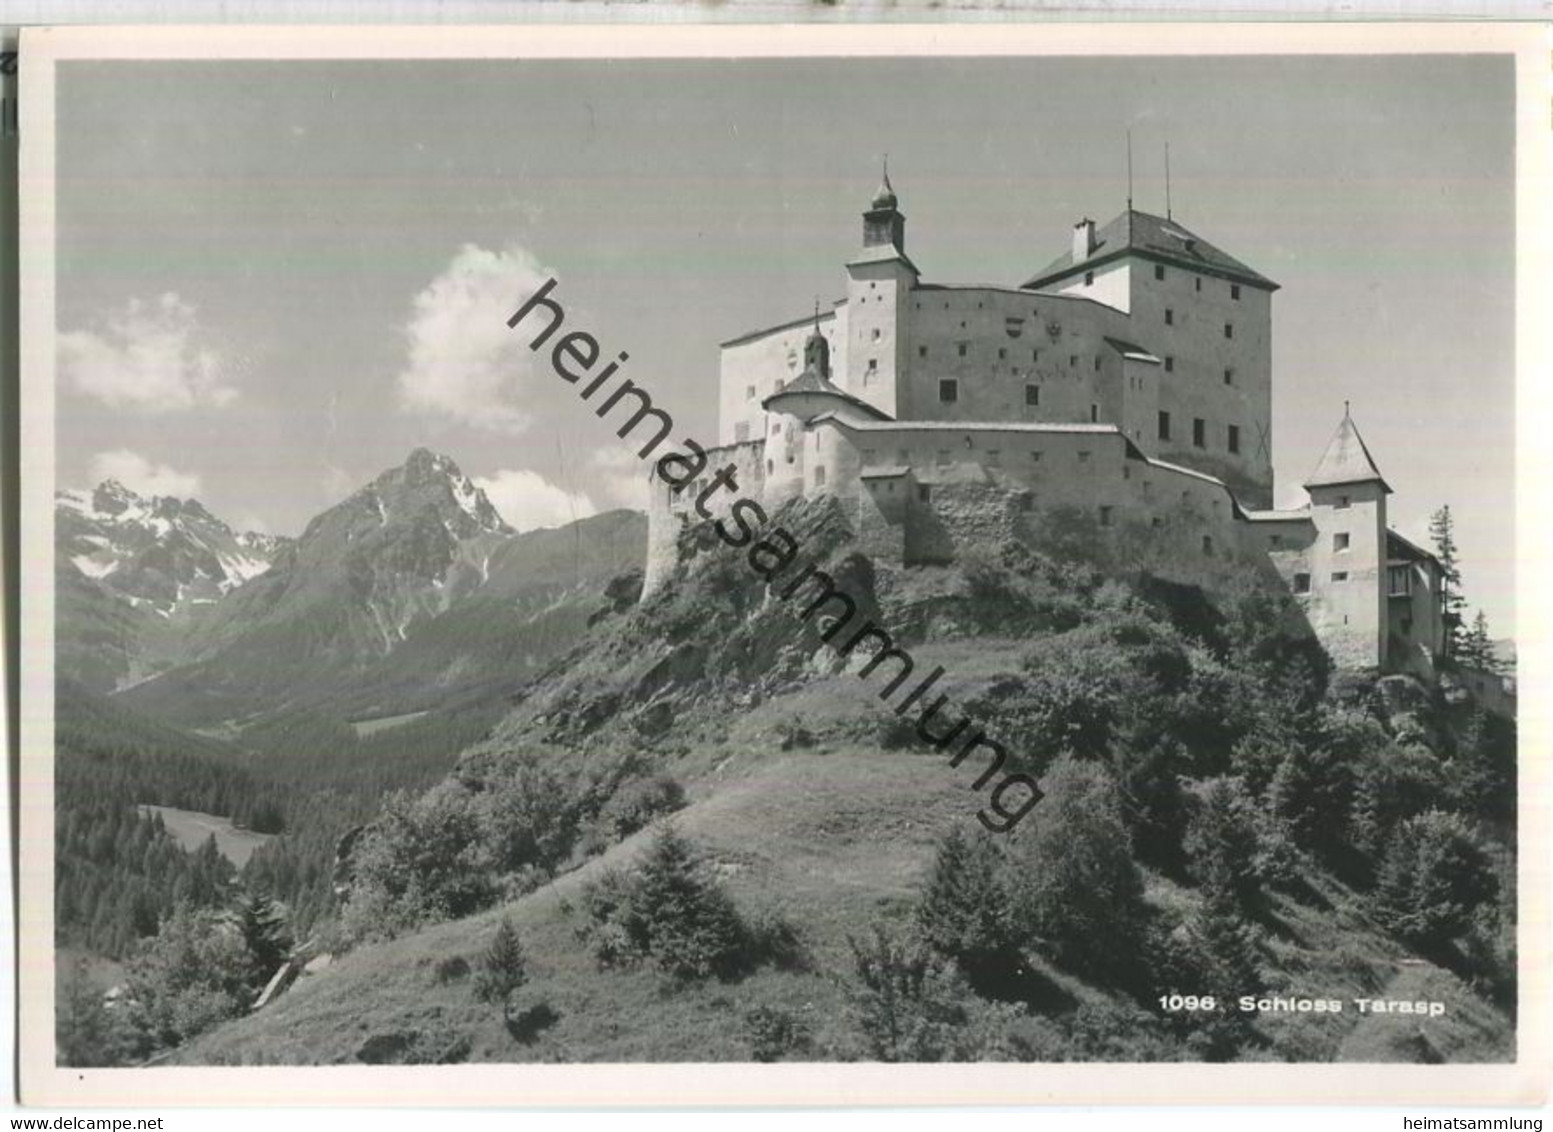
[{"x": 1346, "y": 459}]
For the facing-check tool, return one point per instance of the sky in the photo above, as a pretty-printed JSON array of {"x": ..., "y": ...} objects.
[{"x": 277, "y": 278}]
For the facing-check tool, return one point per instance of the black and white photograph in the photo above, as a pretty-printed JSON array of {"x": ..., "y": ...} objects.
[{"x": 843, "y": 557}]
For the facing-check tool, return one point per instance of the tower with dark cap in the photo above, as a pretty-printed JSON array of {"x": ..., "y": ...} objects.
[{"x": 884, "y": 225}]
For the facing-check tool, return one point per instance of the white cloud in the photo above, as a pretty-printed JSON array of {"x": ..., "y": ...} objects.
[
  {"x": 142, "y": 476},
  {"x": 619, "y": 477},
  {"x": 529, "y": 501},
  {"x": 337, "y": 483},
  {"x": 152, "y": 356},
  {"x": 464, "y": 361}
]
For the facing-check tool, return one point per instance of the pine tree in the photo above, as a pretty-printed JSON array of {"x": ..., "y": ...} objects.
[
  {"x": 1477, "y": 647},
  {"x": 965, "y": 913},
  {"x": 693, "y": 928},
  {"x": 1442, "y": 529},
  {"x": 1221, "y": 844},
  {"x": 263, "y": 926},
  {"x": 503, "y": 967}
]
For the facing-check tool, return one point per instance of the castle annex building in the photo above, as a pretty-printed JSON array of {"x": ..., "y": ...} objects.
[{"x": 1123, "y": 392}]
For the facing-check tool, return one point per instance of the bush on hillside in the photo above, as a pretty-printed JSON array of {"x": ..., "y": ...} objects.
[
  {"x": 1435, "y": 876},
  {"x": 526, "y": 816},
  {"x": 424, "y": 860},
  {"x": 194, "y": 973},
  {"x": 908, "y": 1004},
  {"x": 773, "y": 1033}
]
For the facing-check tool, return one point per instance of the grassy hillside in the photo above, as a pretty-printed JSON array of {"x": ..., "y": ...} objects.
[
  {"x": 828, "y": 839},
  {"x": 1219, "y": 814}
]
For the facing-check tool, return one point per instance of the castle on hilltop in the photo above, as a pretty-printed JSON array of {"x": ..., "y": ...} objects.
[{"x": 1124, "y": 391}]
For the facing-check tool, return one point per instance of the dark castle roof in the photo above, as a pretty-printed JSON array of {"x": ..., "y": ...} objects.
[{"x": 1156, "y": 238}]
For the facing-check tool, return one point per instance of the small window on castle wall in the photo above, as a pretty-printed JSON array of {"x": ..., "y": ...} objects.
[
  {"x": 1002, "y": 354},
  {"x": 1229, "y": 377},
  {"x": 1302, "y": 583},
  {"x": 876, "y": 334},
  {"x": 1199, "y": 433},
  {"x": 1089, "y": 278},
  {"x": 1170, "y": 364},
  {"x": 749, "y": 392},
  {"x": 1159, "y": 272},
  {"x": 1072, "y": 360},
  {"x": 925, "y": 492},
  {"x": 1083, "y": 457},
  {"x": 1032, "y": 395},
  {"x": 1342, "y": 503},
  {"x": 948, "y": 390},
  {"x": 1097, "y": 363},
  {"x": 921, "y": 351},
  {"x": 1170, "y": 317},
  {"x": 1207, "y": 544},
  {"x": 1094, "y": 413},
  {"x": 1035, "y": 457},
  {"x": 1234, "y": 291},
  {"x": 1340, "y": 541},
  {"x": 1035, "y": 355},
  {"x": 1275, "y": 541},
  {"x": 1164, "y": 425},
  {"x": 1198, "y": 282},
  {"x": 1339, "y": 575},
  {"x": 1229, "y": 330},
  {"x": 1234, "y": 438},
  {"x": 960, "y": 348},
  {"x": 873, "y": 365},
  {"x": 1105, "y": 516}
]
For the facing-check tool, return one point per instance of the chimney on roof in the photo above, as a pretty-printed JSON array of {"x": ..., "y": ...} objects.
[{"x": 1083, "y": 240}]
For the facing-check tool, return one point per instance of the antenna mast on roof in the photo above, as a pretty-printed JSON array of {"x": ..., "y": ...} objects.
[
  {"x": 1167, "y": 181},
  {"x": 1129, "y": 170}
]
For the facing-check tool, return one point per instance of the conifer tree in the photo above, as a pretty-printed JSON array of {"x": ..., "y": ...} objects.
[
  {"x": 1442, "y": 530},
  {"x": 503, "y": 967},
  {"x": 1477, "y": 647},
  {"x": 263, "y": 925},
  {"x": 965, "y": 913}
]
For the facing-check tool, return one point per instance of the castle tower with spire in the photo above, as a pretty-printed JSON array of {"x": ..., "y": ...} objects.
[{"x": 1348, "y": 555}]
